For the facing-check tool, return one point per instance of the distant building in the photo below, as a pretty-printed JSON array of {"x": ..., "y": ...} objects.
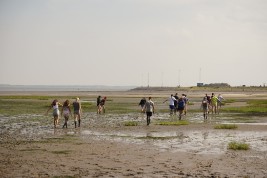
[{"x": 200, "y": 84}]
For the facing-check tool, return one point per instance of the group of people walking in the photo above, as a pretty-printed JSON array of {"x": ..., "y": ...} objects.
[
  {"x": 77, "y": 110},
  {"x": 66, "y": 112},
  {"x": 179, "y": 104},
  {"x": 211, "y": 103},
  {"x": 176, "y": 104}
]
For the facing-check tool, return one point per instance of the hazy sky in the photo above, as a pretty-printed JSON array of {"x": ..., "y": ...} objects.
[{"x": 122, "y": 42}]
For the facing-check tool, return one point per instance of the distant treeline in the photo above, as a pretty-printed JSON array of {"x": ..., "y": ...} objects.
[{"x": 217, "y": 85}]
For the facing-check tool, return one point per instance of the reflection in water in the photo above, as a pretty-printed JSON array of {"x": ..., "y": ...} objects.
[
  {"x": 201, "y": 142},
  {"x": 149, "y": 134},
  {"x": 205, "y": 135}
]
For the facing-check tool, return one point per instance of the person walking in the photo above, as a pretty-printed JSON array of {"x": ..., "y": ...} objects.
[
  {"x": 77, "y": 112},
  {"x": 142, "y": 103},
  {"x": 149, "y": 109},
  {"x": 220, "y": 100},
  {"x": 98, "y": 100},
  {"x": 102, "y": 105},
  {"x": 184, "y": 96},
  {"x": 176, "y": 102},
  {"x": 205, "y": 107},
  {"x": 209, "y": 101},
  {"x": 66, "y": 111},
  {"x": 181, "y": 105},
  {"x": 214, "y": 101},
  {"x": 55, "y": 106},
  {"x": 171, "y": 103}
]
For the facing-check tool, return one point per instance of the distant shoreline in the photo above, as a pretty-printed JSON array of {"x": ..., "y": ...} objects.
[
  {"x": 104, "y": 88},
  {"x": 6, "y": 87}
]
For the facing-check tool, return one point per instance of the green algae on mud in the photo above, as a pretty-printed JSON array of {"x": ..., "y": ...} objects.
[
  {"x": 31, "y": 104},
  {"x": 254, "y": 107},
  {"x": 238, "y": 146},
  {"x": 173, "y": 123},
  {"x": 157, "y": 138},
  {"x": 225, "y": 126},
  {"x": 33, "y": 149},
  {"x": 61, "y": 152},
  {"x": 131, "y": 123},
  {"x": 16, "y": 105}
]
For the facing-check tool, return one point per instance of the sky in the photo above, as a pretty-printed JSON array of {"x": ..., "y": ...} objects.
[{"x": 133, "y": 42}]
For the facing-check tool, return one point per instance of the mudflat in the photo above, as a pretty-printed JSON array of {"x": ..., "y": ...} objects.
[{"x": 104, "y": 146}]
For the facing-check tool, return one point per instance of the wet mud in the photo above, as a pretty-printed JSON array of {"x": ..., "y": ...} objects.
[{"x": 116, "y": 150}]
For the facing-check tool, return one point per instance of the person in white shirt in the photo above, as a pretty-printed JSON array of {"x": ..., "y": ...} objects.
[
  {"x": 171, "y": 103},
  {"x": 219, "y": 104},
  {"x": 149, "y": 109},
  {"x": 55, "y": 105}
]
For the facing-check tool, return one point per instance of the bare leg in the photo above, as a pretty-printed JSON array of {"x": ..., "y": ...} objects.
[
  {"x": 56, "y": 118},
  {"x": 148, "y": 120},
  {"x": 185, "y": 109},
  {"x": 55, "y": 122},
  {"x": 180, "y": 114},
  {"x": 79, "y": 120},
  {"x": 99, "y": 109},
  {"x": 171, "y": 111},
  {"x": 75, "y": 120}
]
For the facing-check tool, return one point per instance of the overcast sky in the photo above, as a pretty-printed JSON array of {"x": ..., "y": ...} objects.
[{"x": 133, "y": 42}]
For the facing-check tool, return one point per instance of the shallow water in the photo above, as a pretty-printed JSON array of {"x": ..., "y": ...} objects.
[
  {"x": 199, "y": 142},
  {"x": 213, "y": 141}
]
